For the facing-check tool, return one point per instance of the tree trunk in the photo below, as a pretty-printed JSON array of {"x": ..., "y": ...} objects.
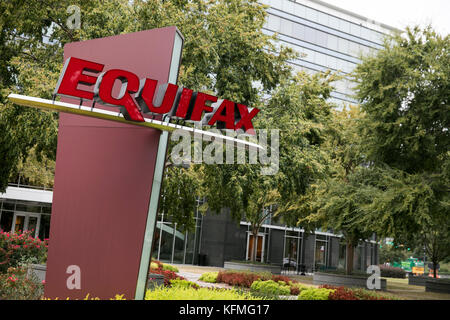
[
  {"x": 349, "y": 261},
  {"x": 255, "y": 243},
  {"x": 434, "y": 269},
  {"x": 254, "y": 249}
]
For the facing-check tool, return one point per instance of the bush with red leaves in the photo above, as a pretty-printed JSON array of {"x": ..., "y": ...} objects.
[
  {"x": 343, "y": 293},
  {"x": 240, "y": 279},
  {"x": 168, "y": 275},
  {"x": 246, "y": 278}
]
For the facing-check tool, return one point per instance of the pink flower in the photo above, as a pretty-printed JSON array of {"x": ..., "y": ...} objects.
[{"x": 43, "y": 281}]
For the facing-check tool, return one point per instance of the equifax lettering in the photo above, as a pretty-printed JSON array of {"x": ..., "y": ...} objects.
[{"x": 144, "y": 96}]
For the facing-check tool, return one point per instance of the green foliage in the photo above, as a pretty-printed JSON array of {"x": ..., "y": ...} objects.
[
  {"x": 176, "y": 283},
  {"x": 16, "y": 285},
  {"x": 154, "y": 265},
  {"x": 315, "y": 294},
  {"x": 20, "y": 250},
  {"x": 178, "y": 293},
  {"x": 270, "y": 288},
  {"x": 338, "y": 201},
  {"x": 298, "y": 108},
  {"x": 390, "y": 254},
  {"x": 225, "y": 53},
  {"x": 179, "y": 194},
  {"x": 209, "y": 277},
  {"x": 404, "y": 91},
  {"x": 169, "y": 267}
]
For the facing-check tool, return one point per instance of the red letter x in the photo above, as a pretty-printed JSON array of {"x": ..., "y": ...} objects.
[{"x": 246, "y": 118}]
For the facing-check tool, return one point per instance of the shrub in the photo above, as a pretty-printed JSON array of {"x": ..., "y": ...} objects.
[
  {"x": 392, "y": 272},
  {"x": 340, "y": 293},
  {"x": 183, "y": 284},
  {"x": 241, "y": 279},
  {"x": 15, "y": 285},
  {"x": 315, "y": 294},
  {"x": 21, "y": 249},
  {"x": 343, "y": 293},
  {"x": 296, "y": 288},
  {"x": 158, "y": 268},
  {"x": 154, "y": 266},
  {"x": 168, "y": 275},
  {"x": 285, "y": 279},
  {"x": 246, "y": 278},
  {"x": 179, "y": 293},
  {"x": 270, "y": 288},
  {"x": 169, "y": 267},
  {"x": 209, "y": 277}
]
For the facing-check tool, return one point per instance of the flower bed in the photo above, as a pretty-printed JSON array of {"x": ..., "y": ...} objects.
[
  {"x": 21, "y": 249},
  {"x": 210, "y": 277},
  {"x": 343, "y": 293},
  {"x": 157, "y": 267},
  {"x": 247, "y": 278},
  {"x": 16, "y": 285},
  {"x": 189, "y": 293}
]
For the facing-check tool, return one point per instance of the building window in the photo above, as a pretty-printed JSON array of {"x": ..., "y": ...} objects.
[
  {"x": 255, "y": 246},
  {"x": 292, "y": 249},
  {"x": 6, "y": 220},
  {"x": 20, "y": 216},
  {"x": 320, "y": 255}
]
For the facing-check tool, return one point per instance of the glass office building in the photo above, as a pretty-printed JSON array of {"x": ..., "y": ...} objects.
[{"x": 326, "y": 37}]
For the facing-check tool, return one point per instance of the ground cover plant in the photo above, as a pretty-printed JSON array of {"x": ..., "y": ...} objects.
[
  {"x": 157, "y": 267},
  {"x": 16, "y": 285},
  {"x": 189, "y": 293},
  {"x": 245, "y": 279},
  {"x": 315, "y": 294},
  {"x": 344, "y": 293},
  {"x": 210, "y": 277},
  {"x": 270, "y": 288},
  {"x": 176, "y": 283}
]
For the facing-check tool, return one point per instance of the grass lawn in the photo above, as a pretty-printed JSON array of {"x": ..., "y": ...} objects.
[
  {"x": 400, "y": 288},
  {"x": 396, "y": 287}
]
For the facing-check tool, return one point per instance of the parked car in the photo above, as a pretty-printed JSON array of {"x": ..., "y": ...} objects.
[{"x": 289, "y": 263}]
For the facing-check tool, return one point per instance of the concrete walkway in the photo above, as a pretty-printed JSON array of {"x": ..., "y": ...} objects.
[{"x": 193, "y": 273}]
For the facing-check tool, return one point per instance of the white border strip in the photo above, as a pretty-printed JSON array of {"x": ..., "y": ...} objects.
[{"x": 116, "y": 116}]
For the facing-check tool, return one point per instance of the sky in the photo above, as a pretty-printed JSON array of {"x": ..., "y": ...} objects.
[{"x": 401, "y": 13}]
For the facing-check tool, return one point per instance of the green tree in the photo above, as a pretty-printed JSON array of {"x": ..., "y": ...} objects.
[
  {"x": 404, "y": 93},
  {"x": 338, "y": 201},
  {"x": 298, "y": 108},
  {"x": 391, "y": 254},
  {"x": 225, "y": 53}
]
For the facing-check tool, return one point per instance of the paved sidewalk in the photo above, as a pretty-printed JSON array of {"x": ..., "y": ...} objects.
[{"x": 193, "y": 273}]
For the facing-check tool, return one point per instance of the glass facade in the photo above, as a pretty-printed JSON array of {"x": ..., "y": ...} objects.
[
  {"x": 174, "y": 245},
  {"x": 323, "y": 40},
  {"x": 321, "y": 251},
  {"x": 21, "y": 216},
  {"x": 292, "y": 249}
]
